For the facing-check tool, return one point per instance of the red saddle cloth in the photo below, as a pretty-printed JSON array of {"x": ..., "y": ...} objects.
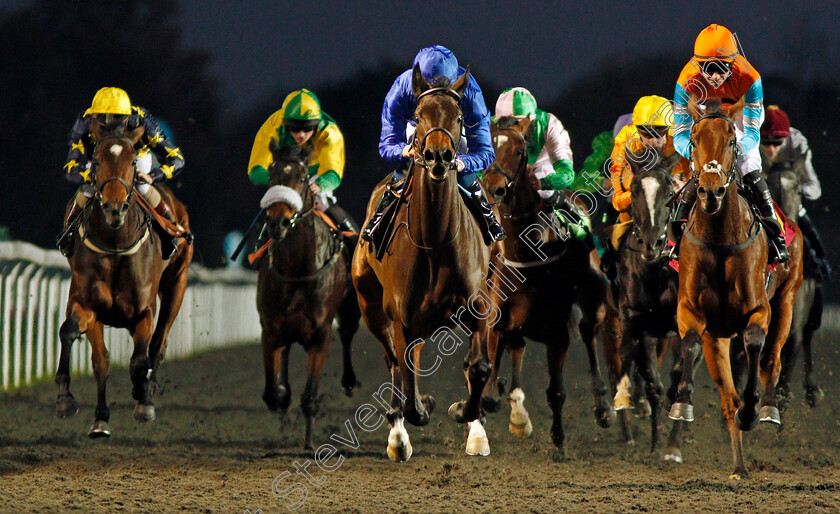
[{"x": 789, "y": 233}]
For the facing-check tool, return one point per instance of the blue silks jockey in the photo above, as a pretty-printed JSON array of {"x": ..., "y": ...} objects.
[{"x": 475, "y": 152}]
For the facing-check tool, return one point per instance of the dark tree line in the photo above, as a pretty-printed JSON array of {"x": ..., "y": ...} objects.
[{"x": 57, "y": 54}]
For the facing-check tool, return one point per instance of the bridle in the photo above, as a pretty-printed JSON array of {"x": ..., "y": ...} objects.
[
  {"x": 513, "y": 180},
  {"x": 298, "y": 216},
  {"x": 730, "y": 174},
  {"x": 419, "y": 160}
]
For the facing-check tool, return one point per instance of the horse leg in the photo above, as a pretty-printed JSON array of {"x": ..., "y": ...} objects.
[
  {"x": 477, "y": 370},
  {"x": 417, "y": 407},
  {"x": 277, "y": 393},
  {"x": 673, "y": 453},
  {"x": 611, "y": 341},
  {"x": 316, "y": 357},
  {"x": 140, "y": 369},
  {"x": 173, "y": 285},
  {"x": 813, "y": 392},
  {"x": 649, "y": 370},
  {"x": 77, "y": 323},
  {"x": 399, "y": 445},
  {"x": 681, "y": 408},
  {"x": 738, "y": 360},
  {"x": 591, "y": 304},
  {"x": 101, "y": 370},
  {"x": 348, "y": 323},
  {"x": 769, "y": 363},
  {"x": 747, "y": 415},
  {"x": 556, "y": 393},
  {"x": 490, "y": 401},
  {"x": 717, "y": 361},
  {"x": 520, "y": 422}
]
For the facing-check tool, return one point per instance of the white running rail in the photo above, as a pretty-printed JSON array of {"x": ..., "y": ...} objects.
[{"x": 219, "y": 309}]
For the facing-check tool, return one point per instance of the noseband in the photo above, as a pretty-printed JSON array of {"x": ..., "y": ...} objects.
[
  {"x": 706, "y": 168},
  {"x": 129, "y": 188},
  {"x": 512, "y": 181}
]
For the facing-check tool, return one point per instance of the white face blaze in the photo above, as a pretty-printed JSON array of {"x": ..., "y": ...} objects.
[
  {"x": 116, "y": 150},
  {"x": 650, "y": 186},
  {"x": 501, "y": 139}
]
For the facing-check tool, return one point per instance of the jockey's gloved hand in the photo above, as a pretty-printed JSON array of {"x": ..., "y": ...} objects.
[
  {"x": 157, "y": 175},
  {"x": 459, "y": 165}
]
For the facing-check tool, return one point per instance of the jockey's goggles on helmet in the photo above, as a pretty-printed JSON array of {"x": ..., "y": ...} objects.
[
  {"x": 772, "y": 141},
  {"x": 652, "y": 131},
  {"x": 109, "y": 119},
  {"x": 301, "y": 125},
  {"x": 718, "y": 66}
]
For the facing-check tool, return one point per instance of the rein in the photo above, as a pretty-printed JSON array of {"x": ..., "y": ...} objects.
[
  {"x": 421, "y": 161},
  {"x": 512, "y": 181}
]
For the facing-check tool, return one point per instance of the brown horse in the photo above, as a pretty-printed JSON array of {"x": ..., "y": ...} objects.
[
  {"x": 725, "y": 288},
  {"x": 554, "y": 270},
  {"x": 431, "y": 273},
  {"x": 302, "y": 285},
  {"x": 118, "y": 273}
]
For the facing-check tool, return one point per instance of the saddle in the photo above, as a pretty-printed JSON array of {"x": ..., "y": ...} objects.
[{"x": 172, "y": 228}]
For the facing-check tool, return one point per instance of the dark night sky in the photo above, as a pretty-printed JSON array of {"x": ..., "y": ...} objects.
[{"x": 543, "y": 46}]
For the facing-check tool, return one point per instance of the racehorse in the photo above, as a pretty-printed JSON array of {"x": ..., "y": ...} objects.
[
  {"x": 786, "y": 188},
  {"x": 726, "y": 287},
  {"x": 430, "y": 273},
  {"x": 118, "y": 273},
  {"x": 554, "y": 271},
  {"x": 303, "y": 284},
  {"x": 646, "y": 287}
]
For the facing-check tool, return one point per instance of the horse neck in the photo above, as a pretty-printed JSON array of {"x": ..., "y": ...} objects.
[
  {"x": 434, "y": 212},
  {"x": 724, "y": 227},
  {"x": 528, "y": 207}
]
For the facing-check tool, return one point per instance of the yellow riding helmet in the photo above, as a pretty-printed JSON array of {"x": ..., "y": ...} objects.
[
  {"x": 715, "y": 42},
  {"x": 110, "y": 100},
  {"x": 654, "y": 111}
]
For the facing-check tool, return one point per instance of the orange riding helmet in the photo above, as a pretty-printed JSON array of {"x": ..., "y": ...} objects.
[{"x": 715, "y": 42}]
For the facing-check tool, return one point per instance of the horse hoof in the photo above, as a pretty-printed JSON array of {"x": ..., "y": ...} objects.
[
  {"x": 739, "y": 475},
  {"x": 622, "y": 402},
  {"x": 456, "y": 412},
  {"x": 604, "y": 416},
  {"x": 477, "y": 443},
  {"x": 350, "y": 391},
  {"x": 399, "y": 446},
  {"x": 428, "y": 402},
  {"x": 400, "y": 454},
  {"x": 769, "y": 414},
  {"x": 144, "y": 413},
  {"x": 814, "y": 396},
  {"x": 681, "y": 412},
  {"x": 522, "y": 431},
  {"x": 66, "y": 406},
  {"x": 745, "y": 425},
  {"x": 99, "y": 429},
  {"x": 673, "y": 455}
]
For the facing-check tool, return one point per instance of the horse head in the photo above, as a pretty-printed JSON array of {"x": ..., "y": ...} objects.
[
  {"x": 714, "y": 152},
  {"x": 439, "y": 122},
  {"x": 509, "y": 179},
  {"x": 288, "y": 188},
  {"x": 650, "y": 191},
  {"x": 114, "y": 170}
]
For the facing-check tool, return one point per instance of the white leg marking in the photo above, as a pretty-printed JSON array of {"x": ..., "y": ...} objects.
[
  {"x": 399, "y": 446},
  {"x": 477, "y": 443},
  {"x": 520, "y": 422},
  {"x": 622, "y": 399}
]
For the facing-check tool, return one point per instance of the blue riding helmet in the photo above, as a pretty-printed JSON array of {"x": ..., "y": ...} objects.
[{"x": 437, "y": 61}]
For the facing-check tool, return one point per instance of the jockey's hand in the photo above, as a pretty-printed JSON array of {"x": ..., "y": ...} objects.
[
  {"x": 678, "y": 184},
  {"x": 459, "y": 165},
  {"x": 315, "y": 187},
  {"x": 408, "y": 152},
  {"x": 145, "y": 177}
]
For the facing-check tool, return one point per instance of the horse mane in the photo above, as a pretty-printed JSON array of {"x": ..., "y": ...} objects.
[
  {"x": 713, "y": 105},
  {"x": 506, "y": 122},
  {"x": 440, "y": 82},
  {"x": 291, "y": 153}
]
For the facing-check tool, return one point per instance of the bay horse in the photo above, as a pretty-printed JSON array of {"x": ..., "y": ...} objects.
[
  {"x": 431, "y": 272},
  {"x": 553, "y": 268},
  {"x": 646, "y": 290},
  {"x": 786, "y": 188},
  {"x": 726, "y": 288},
  {"x": 302, "y": 285},
  {"x": 118, "y": 273}
]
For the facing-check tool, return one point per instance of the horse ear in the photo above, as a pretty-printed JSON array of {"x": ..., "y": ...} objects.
[
  {"x": 136, "y": 134},
  {"x": 418, "y": 82},
  {"x": 523, "y": 125},
  {"x": 461, "y": 84},
  {"x": 274, "y": 147},
  {"x": 735, "y": 109},
  {"x": 671, "y": 161},
  {"x": 695, "y": 108}
]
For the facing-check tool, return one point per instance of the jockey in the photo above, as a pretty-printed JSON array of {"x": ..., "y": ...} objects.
[
  {"x": 549, "y": 152},
  {"x": 650, "y": 128},
  {"x": 785, "y": 148},
  {"x": 300, "y": 121},
  {"x": 719, "y": 71},
  {"x": 436, "y": 62},
  {"x": 112, "y": 111}
]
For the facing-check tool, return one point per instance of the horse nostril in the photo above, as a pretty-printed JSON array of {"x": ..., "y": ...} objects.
[
  {"x": 428, "y": 155},
  {"x": 499, "y": 192},
  {"x": 285, "y": 223},
  {"x": 720, "y": 191},
  {"x": 123, "y": 208},
  {"x": 447, "y": 155},
  {"x": 701, "y": 190}
]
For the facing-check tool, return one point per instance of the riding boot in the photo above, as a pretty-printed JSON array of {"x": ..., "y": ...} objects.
[
  {"x": 67, "y": 239},
  {"x": 491, "y": 230},
  {"x": 757, "y": 187},
  {"x": 560, "y": 202},
  {"x": 684, "y": 204},
  {"x": 392, "y": 192}
]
